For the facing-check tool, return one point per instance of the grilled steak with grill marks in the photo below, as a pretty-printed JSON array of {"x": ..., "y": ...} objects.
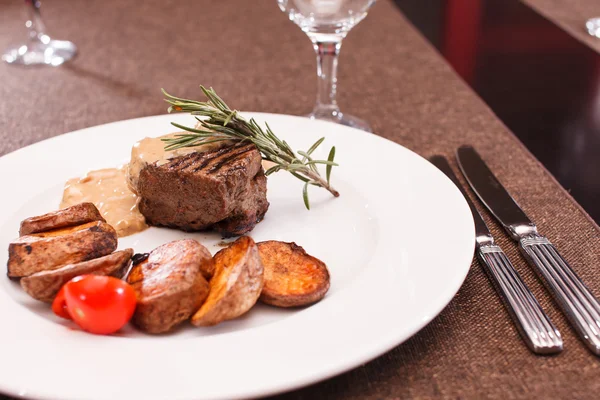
[{"x": 223, "y": 189}]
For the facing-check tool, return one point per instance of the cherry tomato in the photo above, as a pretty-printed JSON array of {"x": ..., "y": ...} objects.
[
  {"x": 59, "y": 305},
  {"x": 98, "y": 304}
]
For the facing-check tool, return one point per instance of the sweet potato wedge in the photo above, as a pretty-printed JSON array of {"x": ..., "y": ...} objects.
[
  {"x": 44, "y": 285},
  {"x": 50, "y": 250},
  {"x": 236, "y": 285},
  {"x": 292, "y": 277},
  {"x": 71, "y": 216},
  {"x": 169, "y": 284}
]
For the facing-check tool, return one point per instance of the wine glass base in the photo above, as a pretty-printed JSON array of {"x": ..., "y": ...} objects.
[
  {"x": 43, "y": 52},
  {"x": 341, "y": 118},
  {"x": 593, "y": 27}
]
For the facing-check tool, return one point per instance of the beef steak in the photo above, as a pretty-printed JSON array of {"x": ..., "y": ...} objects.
[{"x": 223, "y": 189}]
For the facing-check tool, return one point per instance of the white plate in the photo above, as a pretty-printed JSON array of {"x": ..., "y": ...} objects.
[{"x": 398, "y": 243}]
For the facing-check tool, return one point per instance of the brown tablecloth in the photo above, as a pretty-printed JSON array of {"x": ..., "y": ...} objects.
[
  {"x": 258, "y": 60},
  {"x": 571, "y": 16}
]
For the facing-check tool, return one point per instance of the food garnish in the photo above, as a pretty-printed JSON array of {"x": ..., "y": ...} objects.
[
  {"x": 224, "y": 124},
  {"x": 98, "y": 304}
]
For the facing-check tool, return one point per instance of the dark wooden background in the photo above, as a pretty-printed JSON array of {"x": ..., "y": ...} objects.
[{"x": 542, "y": 83}]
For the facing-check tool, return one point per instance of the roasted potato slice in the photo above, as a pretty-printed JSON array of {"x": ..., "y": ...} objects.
[
  {"x": 44, "y": 286},
  {"x": 71, "y": 216},
  {"x": 292, "y": 277},
  {"x": 50, "y": 250},
  {"x": 236, "y": 285},
  {"x": 170, "y": 285}
]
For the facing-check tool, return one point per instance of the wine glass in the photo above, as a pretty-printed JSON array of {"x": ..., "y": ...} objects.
[
  {"x": 40, "y": 48},
  {"x": 593, "y": 26},
  {"x": 327, "y": 22}
]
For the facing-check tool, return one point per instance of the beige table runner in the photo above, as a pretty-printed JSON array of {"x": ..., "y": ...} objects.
[
  {"x": 258, "y": 60},
  {"x": 571, "y": 16}
]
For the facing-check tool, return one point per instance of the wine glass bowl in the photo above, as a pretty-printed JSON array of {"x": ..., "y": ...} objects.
[
  {"x": 326, "y": 17},
  {"x": 327, "y": 22}
]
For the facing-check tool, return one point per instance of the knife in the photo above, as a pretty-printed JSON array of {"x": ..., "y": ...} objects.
[
  {"x": 574, "y": 298},
  {"x": 538, "y": 332}
]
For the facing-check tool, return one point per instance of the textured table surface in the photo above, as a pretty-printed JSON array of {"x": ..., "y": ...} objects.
[
  {"x": 570, "y": 15},
  {"x": 390, "y": 76}
]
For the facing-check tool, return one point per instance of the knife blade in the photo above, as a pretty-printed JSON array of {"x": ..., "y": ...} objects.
[
  {"x": 577, "y": 302},
  {"x": 535, "y": 327},
  {"x": 482, "y": 233},
  {"x": 492, "y": 194}
]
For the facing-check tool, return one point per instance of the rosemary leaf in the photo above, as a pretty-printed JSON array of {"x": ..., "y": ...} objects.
[
  {"x": 223, "y": 123},
  {"x": 330, "y": 163},
  {"x": 272, "y": 169},
  {"x": 305, "y": 154},
  {"x": 299, "y": 177},
  {"x": 229, "y": 117},
  {"x": 330, "y": 159},
  {"x": 314, "y": 146},
  {"x": 305, "y": 196}
]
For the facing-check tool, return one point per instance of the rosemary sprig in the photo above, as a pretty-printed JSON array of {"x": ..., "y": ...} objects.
[{"x": 224, "y": 124}]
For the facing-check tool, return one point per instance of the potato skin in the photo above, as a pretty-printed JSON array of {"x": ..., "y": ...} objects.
[
  {"x": 50, "y": 250},
  {"x": 45, "y": 285},
  {"x": 71, "y": 216},
  {"x": 170, "y": 285},
  {"x": 236, "y": 285},
  {"x": 293, "y": 278}
]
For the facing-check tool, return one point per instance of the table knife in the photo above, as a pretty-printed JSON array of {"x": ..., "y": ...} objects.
[
  {"x": 538, "y": 332},
  {"x": 574, "y": 298}
]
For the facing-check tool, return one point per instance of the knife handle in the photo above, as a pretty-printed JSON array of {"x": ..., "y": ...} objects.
[
  {"x": 577, "y": 302},
  {"x": 538, "y": 332}
]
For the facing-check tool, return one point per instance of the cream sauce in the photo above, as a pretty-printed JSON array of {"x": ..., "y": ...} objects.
[
  {"x": 114, "y": 190},
  {"x": 150, "y": 151},
  {"x": 109, "y": 191},
  {"x": 266, "y": 164}
]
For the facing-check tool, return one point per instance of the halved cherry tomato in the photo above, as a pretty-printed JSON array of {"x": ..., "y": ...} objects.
[{"x": 98, "y": 304}]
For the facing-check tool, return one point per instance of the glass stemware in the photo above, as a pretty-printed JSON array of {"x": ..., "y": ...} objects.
[
  {"x": 593, "y": 26},
  {"x": 40, "y": 48},
  {"x": 327, "y": 22}
]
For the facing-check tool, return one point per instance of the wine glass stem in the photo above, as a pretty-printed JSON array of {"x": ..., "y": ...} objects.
[
  {"x": 327, "y": 62},
  {"x": 35, "y": 25}
]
